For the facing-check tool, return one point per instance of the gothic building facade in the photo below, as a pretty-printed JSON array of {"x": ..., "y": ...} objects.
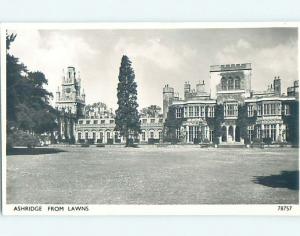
[
  {"x": 70, "y": 102},
  {"x": 232, "y": 112}
]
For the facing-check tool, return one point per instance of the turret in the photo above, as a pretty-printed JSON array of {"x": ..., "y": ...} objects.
[
  {"x": 187, "y": 89},
  {"x": 83, "y": 95},
  {"x": 200, "y": 88},
  {"x": 277, "y": 86},
  {"x": 71, "y": 74},
  {"x": 168, "y": 98},
  {"x": 57, "y": 94}
]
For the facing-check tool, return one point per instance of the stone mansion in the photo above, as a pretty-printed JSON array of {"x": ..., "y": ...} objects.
[{"x": 192, "y": 119}]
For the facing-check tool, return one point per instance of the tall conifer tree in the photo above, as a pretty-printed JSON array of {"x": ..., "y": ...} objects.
[{"x": 127, "y": 116}]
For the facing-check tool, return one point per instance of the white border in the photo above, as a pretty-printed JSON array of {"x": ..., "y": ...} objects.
[{"x": 268, "y": 209}]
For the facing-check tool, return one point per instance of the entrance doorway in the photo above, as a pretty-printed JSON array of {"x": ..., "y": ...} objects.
[
  {"x": 237, "y": 134},
  {"x": 224, "y": 134}
]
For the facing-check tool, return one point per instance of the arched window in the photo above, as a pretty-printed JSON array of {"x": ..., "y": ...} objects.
[
  {"x": 237, "y": 83},
  {"x": 223, "y": 83},
  {"x": 230, "y": 84}
]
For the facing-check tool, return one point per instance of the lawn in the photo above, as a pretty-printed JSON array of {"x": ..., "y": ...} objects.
[{"x": 162, "y": 175}]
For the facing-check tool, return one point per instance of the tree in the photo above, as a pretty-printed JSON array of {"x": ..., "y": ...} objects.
[
  {"x": 152, "y": 110},
  {"x": 243, "y": 121},
  {"x": 172, "y": 124},
  {"x": 28, "y": 106},
  {"x": 215, "y": 123},
  {"x": 127, "y": 116}
]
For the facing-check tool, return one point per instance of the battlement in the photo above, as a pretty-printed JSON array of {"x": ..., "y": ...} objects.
[
  {"x": 168, "y": 89},
  {"x": 230, "y": 67}
]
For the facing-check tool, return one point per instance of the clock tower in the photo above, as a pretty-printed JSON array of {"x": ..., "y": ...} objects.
[
  {"x": 70, "y": 98},
  {"x": 70, "y": 102}
]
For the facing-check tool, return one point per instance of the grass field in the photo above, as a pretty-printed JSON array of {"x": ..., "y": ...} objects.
[{"x": 182, "y": 175}]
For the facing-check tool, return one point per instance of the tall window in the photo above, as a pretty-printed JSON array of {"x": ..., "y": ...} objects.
[
  {"x": 223, "y": 84},
  {"x": 202, "y": 111},
  {"x": 287, "y": 110},
  {"x": 79, "y": 136},
  {"x": 178, "y": 133},
  {"x": 250, "y": 110},
  {"x": 151, "y": 134},
  {"x": 231, "y": 110},
  {"x": 270, "y": 109},
  {"x": 143, "y": 136},
  {"x": 258, "y": 132},
  {"x": 191, "y": 111},
  {"x": 250, "y": 132},
  {"x": 230, "y": 84},
  {"x": 178, "y": 112},
  {"x": 273, "y": 132},
  {"x": 273, "y": 109},
  {"x": 94, "y": 135},
  {"x": 211, "y": 111},
  {"x": 259, "y": 109},
  {"x": 185, "y": 111},
  {"x": 152, "y": 121},
  {"x": 237, "y": 83},
  {"x": 211, "y": 135},
  {"x": 191, "y": 134},
  {"x": 159, "y": 134},
  {"x": 196, "y": 111}
]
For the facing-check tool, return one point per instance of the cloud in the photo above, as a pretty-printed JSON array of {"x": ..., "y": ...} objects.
[
  {"x": 279, "y": 60},
  {"x": 50, "y": 55},
  {"x": 152, "y": 49},
  {"x": 158, "y": 57}
]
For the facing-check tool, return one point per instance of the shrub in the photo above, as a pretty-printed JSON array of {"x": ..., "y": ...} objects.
[
  {"x": 72, "y": 140},
  {"x": 100, "y": 145},
  {"x": 134, "y": 145},
  {"x": 22, "y": 138},
  {"x": 81, "y": 141},
  {"x": 110, "y": 141},
  {"x": 267, "y": 141},
  {"x": 99, "y": 140},
  {"x": 85, "y": 145},
  {"x": 257, "y": 141},
  {"x": 153, "y": 140},
  {"x": 117, "y": 140},
  {"x": 206, "y": 141},
  {"x": 196, "y": 141}
]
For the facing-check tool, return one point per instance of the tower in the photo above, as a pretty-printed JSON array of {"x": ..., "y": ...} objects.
[
  {"x": 200, "y": 88},
  {"x": 70, "y": 99},
  {"x": 168, "y": 98},
  {"x": 187, "y": 89},
  {"x": 277, "y": 86},
  {"x": 70, "y": 102},
  {"x": 231, "y": 81}
]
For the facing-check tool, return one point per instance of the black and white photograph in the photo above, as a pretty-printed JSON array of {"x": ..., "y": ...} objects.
[{"x": 150, "y": 116}]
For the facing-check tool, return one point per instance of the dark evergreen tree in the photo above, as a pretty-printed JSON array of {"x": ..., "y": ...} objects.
[
  {"x": 127, "y": 116},
  {"x": 28, "y": 106}
]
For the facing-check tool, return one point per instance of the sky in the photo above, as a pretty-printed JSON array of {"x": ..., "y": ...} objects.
[{"x": 159, "y": 57}]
